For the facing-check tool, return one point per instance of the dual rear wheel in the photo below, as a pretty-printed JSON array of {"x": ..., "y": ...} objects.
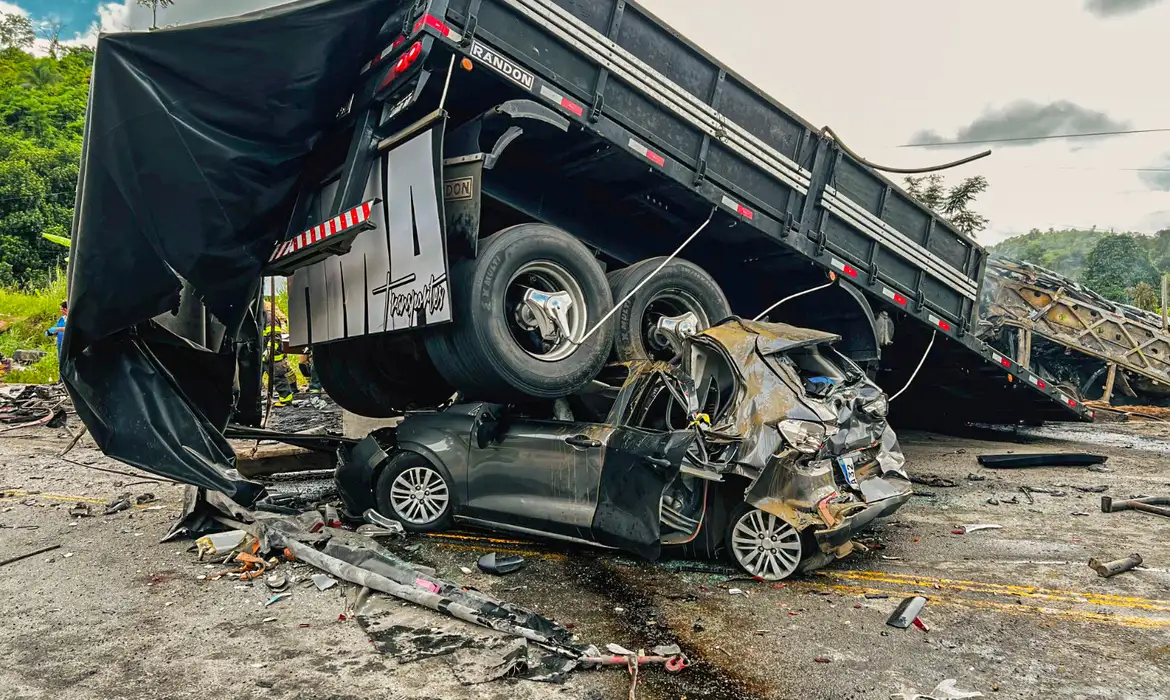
[{"x": 523, "y": 309}]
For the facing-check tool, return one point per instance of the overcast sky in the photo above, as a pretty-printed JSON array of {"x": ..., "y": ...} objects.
[{"x": 895, "y": 72}]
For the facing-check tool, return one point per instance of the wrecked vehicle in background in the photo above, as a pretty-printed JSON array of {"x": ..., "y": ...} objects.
[{"x": 764, "y": 443}]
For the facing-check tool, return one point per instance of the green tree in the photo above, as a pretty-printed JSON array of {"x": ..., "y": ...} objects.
[
  {"x": 154, "y": 5},
  {"x": 1117, "y": 265},
  {"x": 1143, "y": 296},
  {"x": 953, "y": 203},
  {"x": 42, "y": 108},
  {"x": 16, "y": 32}
]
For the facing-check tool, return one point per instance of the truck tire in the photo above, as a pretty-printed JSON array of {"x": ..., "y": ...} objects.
[
  {"x": 379, "y": 376},
  {"x": 680, "y": 287},
  {"x": 493, "y": 350}
]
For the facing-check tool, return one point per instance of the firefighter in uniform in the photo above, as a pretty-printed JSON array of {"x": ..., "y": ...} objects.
[{"x": 274, "y": 349}]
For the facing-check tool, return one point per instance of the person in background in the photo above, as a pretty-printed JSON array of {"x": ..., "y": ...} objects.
[
  {"x": 274, "y": 348},
  {"x": 59, "y": 328}
]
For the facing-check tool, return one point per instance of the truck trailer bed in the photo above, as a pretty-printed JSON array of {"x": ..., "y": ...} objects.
[{"x": 705, "y": 136}]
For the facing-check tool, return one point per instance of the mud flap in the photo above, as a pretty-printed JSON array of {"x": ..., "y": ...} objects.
[
  {"x": 637, "y": 469},
  {"x": 394, "y": 275}
]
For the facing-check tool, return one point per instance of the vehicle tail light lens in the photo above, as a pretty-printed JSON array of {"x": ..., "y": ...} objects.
[{"x": 405, "y": 61}]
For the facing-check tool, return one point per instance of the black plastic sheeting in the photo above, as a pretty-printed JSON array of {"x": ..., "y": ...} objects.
[{"x": 194, "y": 141}]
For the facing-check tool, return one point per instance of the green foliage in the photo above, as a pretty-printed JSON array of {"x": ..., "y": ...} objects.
[
  {"x": 42, "y": 113},
  {"x": 1117, "y": 264},
  {"x": 27, "y": 315},
  {"x": 1143, "y": 296},
  {"x": 1059, "y": 251},
  {"x": 954, "y": 204}
]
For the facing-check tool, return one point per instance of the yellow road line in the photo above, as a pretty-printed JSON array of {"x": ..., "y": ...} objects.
[
  {"x": 1055, "y": 594},
  {"x": 79, "y": 499},
  {"x": 1152, "y": 623},
  {"x": 473, "y": 538},
  {"x": 552, "y": 556}
]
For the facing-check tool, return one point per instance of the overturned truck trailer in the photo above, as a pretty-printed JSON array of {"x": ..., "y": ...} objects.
[
  {"x": 1073, "y": 337},
  {"x": 482, "y": 197}
]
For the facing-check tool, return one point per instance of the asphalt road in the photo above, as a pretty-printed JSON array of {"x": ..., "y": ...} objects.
[{"x": 1012, "y": 612}]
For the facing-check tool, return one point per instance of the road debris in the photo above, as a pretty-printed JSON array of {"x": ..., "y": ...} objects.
[
  {"x": 80, "y": 509},
  {"x": 933, "y": 480},
  {"x": 220, "y": 542},
  {"x": 277, "y": 598},
  {"x": 323, "y": 582},
  {"x": 993, "y": 501},
  {"x": 968, "y": 529},
  {"x": 42, "y": 550},
  {"x": 499, "y": 565},
  {"x": 945, "y": 690},
  {"x": 276, "y": 581},
  {"x": 976, "y": 477},
  {"x": 1028, "y": 495},
  {"x": 1055, "y": 459},
  {"x": 1079, "y": 514},
  {"x": 118, "y": 504},
  {"x": 144, "y": 498},
  {"x": 1117, "y": 566},
  {"x": 1149, "y": 504},
  {"x": 906, "y": 612},
  {"x": 1092, "y": 489}
]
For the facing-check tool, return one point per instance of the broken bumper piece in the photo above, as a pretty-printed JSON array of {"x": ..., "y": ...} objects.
[{"x": 834, "y": 538}]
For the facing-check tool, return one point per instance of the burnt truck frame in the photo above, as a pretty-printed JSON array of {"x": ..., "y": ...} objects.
[{"x": 627, "y": 136}]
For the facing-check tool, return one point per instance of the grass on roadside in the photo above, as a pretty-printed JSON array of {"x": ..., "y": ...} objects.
[{"x": 28, "y": 314}]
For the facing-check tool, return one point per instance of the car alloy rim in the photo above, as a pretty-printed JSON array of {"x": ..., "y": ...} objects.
[
  {"x": 765, "y": 545},
  {"x": 548, "y": 278},
  {"x": 419, "y": 495}
]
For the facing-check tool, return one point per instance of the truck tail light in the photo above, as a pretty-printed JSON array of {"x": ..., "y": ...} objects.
[{"x": 405, "y": 61}]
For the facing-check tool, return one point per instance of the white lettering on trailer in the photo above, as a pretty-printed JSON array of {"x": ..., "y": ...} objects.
[{"x": 493, "y": 60}]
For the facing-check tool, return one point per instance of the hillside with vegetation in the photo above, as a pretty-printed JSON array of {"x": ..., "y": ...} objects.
[{"x": 42, "y": 114}]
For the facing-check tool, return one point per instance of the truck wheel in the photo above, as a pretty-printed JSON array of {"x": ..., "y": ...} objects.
[
  {"x": 500, "y": 346},
  {"x": 680, "y": 287},
  {"x": 379, "y": 376},
  {"x": 762, "y": 544},
  {"x": 413, "y": 492}
]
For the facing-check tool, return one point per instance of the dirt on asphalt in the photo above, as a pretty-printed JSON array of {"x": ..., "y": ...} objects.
[{"x": 1013, "y": 612}]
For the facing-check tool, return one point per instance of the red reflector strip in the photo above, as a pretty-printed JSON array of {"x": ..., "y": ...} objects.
[
  {"x": 397, "y": 42},
  {"x": 646, "y": 153},
  {"x": 1072, "y": 403},
  {"x": 562, "y": 101},
  {"x": 1001, "y": 360},
  {"x": 434, "y": 23},
  {"x": 843, "y": 267},
  {"x": 939, "y": 322},
  {"x": 896, "y": 297},
  {"x": 353, "y": 217},
  {"x": 738, "y": 208},
  {"x": 1040, "y": 383}
]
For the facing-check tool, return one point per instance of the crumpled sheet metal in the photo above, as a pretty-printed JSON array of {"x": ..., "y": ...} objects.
[{"x": 786, "y": 483}]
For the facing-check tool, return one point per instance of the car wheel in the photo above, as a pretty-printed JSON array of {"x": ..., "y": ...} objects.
[
  {"x": 415, "y": 493},
  {"x": 764, "y": 545},
  {"x": 680, "y": 287},
  {"x": 379, "y": 376},
  {"x": 497, "y": 348}
]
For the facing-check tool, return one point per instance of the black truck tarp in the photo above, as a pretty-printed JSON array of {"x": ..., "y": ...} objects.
[{"x": 194, "y": 141}]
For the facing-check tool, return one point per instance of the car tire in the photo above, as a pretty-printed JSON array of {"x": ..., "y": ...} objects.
[
  {"x": 412, "y": 490},
  {"x": 380, "y": 376},
  {"x": 680, "y": 287},
  {"x": 488, "y": 352},
  {"x": 770, "y": 560}
]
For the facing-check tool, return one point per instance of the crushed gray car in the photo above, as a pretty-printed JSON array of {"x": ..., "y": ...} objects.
[{"x": 760, "y": 442}]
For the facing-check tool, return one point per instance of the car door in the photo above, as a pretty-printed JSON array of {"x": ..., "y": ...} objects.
[{"x": 539, "y": 475}]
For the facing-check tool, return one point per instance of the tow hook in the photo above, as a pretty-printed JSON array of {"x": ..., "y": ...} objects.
[{"x": 548, "y": 312}]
